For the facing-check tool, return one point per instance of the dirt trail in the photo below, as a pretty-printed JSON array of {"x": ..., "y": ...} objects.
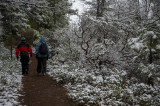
[{"x": 42, "y": 90}]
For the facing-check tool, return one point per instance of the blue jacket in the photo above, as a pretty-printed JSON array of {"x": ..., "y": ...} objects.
[{"x": 37, "y": 48}]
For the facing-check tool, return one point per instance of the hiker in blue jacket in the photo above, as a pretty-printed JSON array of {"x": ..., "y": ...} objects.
[{"x": 42, "y": 54}]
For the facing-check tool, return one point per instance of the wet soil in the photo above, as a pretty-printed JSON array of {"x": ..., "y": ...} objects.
[{"x": 42, "y": 90}]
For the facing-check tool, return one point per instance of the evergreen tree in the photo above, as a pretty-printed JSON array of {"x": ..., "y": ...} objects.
[
  {"x": 19, "y": 15},
  {"x": 14, "y": 18}
]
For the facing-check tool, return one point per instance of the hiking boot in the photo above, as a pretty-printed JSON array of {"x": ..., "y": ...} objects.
[
  {"x": 26, "y": 72},
  {"x": 23, "y": 73},
  {"x": 44, "y": 74}
]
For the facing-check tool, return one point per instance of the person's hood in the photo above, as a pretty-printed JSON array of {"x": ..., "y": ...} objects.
[{"x": 42, "y": 40}]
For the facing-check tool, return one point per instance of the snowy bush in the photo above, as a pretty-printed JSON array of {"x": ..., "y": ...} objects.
[
  {"x": 108, "y": 51},
  {"x": 10, "y": 78},
  {"x": 90, "y": 87},
  {"x": 146, "y": 45},
  {"x": 150, "y": 70},
  {"x": 91, "y": 83}
]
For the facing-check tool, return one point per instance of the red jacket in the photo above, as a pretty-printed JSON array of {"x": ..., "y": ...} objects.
[{"x": 24, "y": 47}]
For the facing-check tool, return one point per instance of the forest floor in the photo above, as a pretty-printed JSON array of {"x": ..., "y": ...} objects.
[{"x": 42, "y": 90}]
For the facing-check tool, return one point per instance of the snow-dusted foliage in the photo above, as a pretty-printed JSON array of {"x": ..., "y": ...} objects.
[
  {"x": 15, "y": 17},
  {"x": 110, "y": 58},
  {"x": 10, "y": 78},
  {"x": 109, "y": 68},
  {"x": 90, "y": 87},
  {"x": 97, "y": 77},
  {"x": 146, "y": 44}
]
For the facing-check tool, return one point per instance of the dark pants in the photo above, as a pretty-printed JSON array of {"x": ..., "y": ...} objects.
[
  {"x": 25, "y": 64},
  {"x": 41, "y": 64}
]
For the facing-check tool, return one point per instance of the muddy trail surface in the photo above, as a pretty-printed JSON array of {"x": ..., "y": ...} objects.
[{"x": 39, "y": 90}]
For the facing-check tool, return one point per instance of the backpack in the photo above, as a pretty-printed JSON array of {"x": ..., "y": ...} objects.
[
  {"x": 23, "y": 53},
  {"x": 43, "y": 49}
]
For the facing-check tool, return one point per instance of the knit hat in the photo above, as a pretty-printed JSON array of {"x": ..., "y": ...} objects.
[{"x": 23, "y": 39}]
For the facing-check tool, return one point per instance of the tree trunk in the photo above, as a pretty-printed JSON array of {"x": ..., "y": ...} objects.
[
  {"x": 150, "y": 52},
  {"x": 100, "y": 7},
  {"x": 11, "y": 36},
  {"x": 54, "y": 16}
]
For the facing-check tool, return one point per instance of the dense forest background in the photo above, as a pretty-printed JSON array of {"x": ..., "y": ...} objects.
[{"x": 111, "y": 55}]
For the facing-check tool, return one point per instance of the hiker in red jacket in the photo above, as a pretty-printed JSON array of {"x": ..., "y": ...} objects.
[{"x": 24, "y": 50}]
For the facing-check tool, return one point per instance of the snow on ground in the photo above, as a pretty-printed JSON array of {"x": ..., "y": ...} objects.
[{"x": 10, "y": 79}]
